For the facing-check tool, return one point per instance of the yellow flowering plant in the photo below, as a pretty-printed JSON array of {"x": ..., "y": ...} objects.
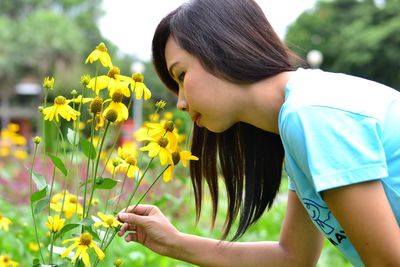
[{"x": 91, "y": 166}]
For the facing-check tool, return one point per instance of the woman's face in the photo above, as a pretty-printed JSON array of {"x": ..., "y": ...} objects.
[{"x": 210, "y": 101}]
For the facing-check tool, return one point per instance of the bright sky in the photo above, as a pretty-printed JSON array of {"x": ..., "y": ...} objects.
[{"x": 130, "y": 24}]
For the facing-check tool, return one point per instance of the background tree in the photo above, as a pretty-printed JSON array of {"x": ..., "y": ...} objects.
[{"x": 357, "y": 37}]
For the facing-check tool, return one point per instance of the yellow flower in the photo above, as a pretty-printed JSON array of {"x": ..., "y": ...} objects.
[
  {"x": 71, "y": 204},
  {"x": 13, "y": 127},
  {"x": 48, "y": 83},
  {"x": 4, "y": 222},
  {"x": 129, "y": 167},
  {"x": 33, "y": 246},
  {"x": 164, "y": 128},
  {"x": 61, "y": 108},
  {"x": 55, "y": 224},
  {"x": 5, "y": 261},
  {"x": 100, "y": 53},
  {"x": 79, "y": 99},
  {"x": 82, "y": 244},
  {"x": 127, "y": 149},
  {"x": 112, "y": 81},
  {"x": 137, "y": 85},
  {"x": 159, "y": 147},
  {"x": 20, "y": 154},
  {"x": 118, "y": 262},
  {"x": 182, "y": 156},
  {"x": 107, "y": 221},
  {"x": 117, "y": 105}
]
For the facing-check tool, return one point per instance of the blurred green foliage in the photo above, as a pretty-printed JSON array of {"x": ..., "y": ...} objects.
[{"x": 357, "y": 37}]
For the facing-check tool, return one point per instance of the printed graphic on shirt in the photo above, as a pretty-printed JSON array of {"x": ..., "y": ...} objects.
[{"x": 323, "y": 219}]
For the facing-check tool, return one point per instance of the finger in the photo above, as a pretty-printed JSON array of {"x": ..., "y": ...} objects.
[
  {"x": 142, "y": 209},
  {"x": 125, "y": 227},
  {"x": 131, "y": 237},
  {"x": 132, "y": 219}
]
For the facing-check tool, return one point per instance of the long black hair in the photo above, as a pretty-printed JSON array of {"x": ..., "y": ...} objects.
[{"x": 233, "y": 40}]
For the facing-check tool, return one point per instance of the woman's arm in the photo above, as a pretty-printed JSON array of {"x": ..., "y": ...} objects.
[
  {"x": 365, "y": 214},
  {"x": 300, "y": 243}
]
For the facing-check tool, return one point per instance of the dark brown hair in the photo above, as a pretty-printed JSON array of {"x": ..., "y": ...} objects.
[{"x": 233, "y": 40}]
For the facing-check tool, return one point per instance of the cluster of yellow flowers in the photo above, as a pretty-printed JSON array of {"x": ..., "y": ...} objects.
[
  {"x": 12, "y": 143},
  {"x": 160, "y": 137}
]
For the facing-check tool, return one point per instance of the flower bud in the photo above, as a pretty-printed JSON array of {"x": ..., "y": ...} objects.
[
  {"x": 161, "y": 104},
  {"x": 48, "y": 83},
  {"x": 37, "y": 140},
  {"x": 85, "y": 79},
  {"x": 74, "y": 92}
]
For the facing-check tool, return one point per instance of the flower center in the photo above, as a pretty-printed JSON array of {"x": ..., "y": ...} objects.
[
  {"x": 73, "y": 200},
  {"x": 96, "y": 105},
  {"x": 131, "y": 160},
  {"x": 176, "y": 157},
  {"x": 60, "y": 100},
  {"x": 163, "y": 142},
  {"x": 169, "y": 126},
  {"x": 1, "y": 216},
  {"x": 86, "y": 239},
  {"x": 138, "y": 77},
  {"x": 109, "y": 221},
  {"x": 113, "y": 71},
  {"x": 117, "y": 96}
]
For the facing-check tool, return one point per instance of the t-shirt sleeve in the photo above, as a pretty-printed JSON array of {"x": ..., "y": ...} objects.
[{"x": 333, "y": 147}]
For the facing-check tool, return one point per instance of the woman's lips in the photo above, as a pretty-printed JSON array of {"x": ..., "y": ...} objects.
[{"x": 196, "y": 119}]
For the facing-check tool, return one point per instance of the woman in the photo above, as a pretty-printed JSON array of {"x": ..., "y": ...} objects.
[{"x": 339, "y": 135}]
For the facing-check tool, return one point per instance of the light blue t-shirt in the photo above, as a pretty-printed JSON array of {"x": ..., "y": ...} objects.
[{"x": 339, "y": 130}]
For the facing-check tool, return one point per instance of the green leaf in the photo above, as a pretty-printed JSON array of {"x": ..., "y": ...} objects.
[
  {"x": 105, "y": 183},
  {"x": 58, "y": 163},
  {"x": 36, "y": 263},
  {"x": 66, "y": 228},
  {"x": 87, "y": 148},
  {"x": 38, "y": 195},
  {"x": 39, "y": 180},
  {"x": 73, "y": 137},
  {"x": 41, "y": 205}
]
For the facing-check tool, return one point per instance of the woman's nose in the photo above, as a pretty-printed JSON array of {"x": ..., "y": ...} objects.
[{"x": 181, "y": 104}]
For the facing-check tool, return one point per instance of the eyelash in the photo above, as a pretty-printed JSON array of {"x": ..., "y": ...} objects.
[{"x": 181, "y": 77}]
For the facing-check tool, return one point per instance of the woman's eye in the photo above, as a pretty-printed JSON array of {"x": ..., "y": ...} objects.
[{"x": 181, "y": 77}]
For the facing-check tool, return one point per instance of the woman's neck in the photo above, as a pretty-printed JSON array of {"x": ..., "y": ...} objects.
[{"x": 264, "y": 100}]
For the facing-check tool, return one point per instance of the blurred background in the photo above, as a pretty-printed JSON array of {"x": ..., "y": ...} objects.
[{"x": 40, "y": 38}]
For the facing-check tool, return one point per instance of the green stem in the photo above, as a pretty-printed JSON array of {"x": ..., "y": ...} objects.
[
  {"x": 54, "y": 174},
  {"x": 87, "y": 166},
  {"x": 122, "y": 187},
  {"x": 96, "y": 168},
  {"x": 141, "y": 198},
  {"x": 138, "y": 183},
  {"x": 152, "y": 184},
  {"x": 32, "y": 210},
  {"x": 51, "y": 247}
]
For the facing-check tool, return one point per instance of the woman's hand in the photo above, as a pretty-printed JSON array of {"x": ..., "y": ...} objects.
[{"x": 147, "y": 225}]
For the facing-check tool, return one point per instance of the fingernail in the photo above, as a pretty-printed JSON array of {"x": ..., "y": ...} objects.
[{"x": 122, "y": 216}]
